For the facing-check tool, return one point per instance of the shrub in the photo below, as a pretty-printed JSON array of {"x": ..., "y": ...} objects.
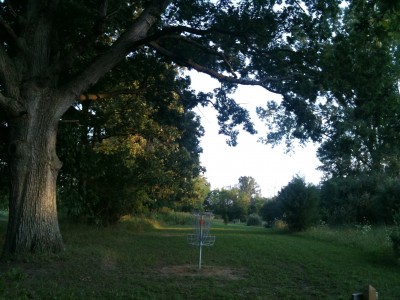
[
  {"x": 395, "y": 236},
  {"x": 349, "y": 200},
  {"x": 271, "y": 211},
  {"x": 254, "y": 220},
  {"x": 280, "y": 224},
  {"x": 299, "y": 204},
  {"x": 387, "y": 199}
]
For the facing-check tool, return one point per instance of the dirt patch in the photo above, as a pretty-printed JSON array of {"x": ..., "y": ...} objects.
[{"x": 205, "y": 271}]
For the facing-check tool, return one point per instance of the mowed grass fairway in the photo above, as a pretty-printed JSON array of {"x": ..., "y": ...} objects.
[{"x": 140, "y": 260}]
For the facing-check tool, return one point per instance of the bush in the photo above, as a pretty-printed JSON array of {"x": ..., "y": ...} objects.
[
  {"x": 254, "y": 220},
  {"x": 387, "y": 199},
  {"x": 352, "y": 199},
  {"x": 395, "y": 236},
  {"x": 280, "y": 224},
  {"x": 271, "y": 211},
  {"x": 299, "y": 204}
]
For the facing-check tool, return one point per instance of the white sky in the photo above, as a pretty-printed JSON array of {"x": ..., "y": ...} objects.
[{"x": 270, "y": 167}]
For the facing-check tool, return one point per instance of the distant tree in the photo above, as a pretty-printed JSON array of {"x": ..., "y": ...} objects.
[
  {"x": 251, "y": 190},
  {"x": 256, "y": 205},
  {"x": 249, "y": 186},
  {"x": 271, "y": 211},
  {"x": 230, "y": 204},
  {"x": 194, "y": 199},
  {"x": 254, "y": 220},
  {"x": 299, "y": 203},
  {"x": 361, "y": 198}
]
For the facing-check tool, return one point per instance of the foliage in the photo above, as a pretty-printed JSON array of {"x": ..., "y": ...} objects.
[
  {"x": 299, "y": 204},
  {"x": 230, "y": 204},
  {"x": 249, "y": 186},
  {"x": 280, "y": 225},
  {"x": 170, "y": 217},
  {"x": 251, "y": 189},
  {"x": 271, "y": 211},
  {"x": 375, "y": 238},
  {"x": 133, "y": 153},
  {"x": 395, "y": 235},
  {"x": 238, "y": 202},
  {"x": 194, "y": 199},
  {"x": 386, "y": 199},
  {"x": 353, "y": 200},
  {"x": 354, "y": 111},
  {"x": 254, "y": 220},
  {"x": 362, "y": 71}
]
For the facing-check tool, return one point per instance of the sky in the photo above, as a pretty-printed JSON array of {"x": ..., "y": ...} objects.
[{"x": 271, "y": 167}]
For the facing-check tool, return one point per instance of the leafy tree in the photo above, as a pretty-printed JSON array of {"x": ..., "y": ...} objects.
[
  {"x": 254, "y": 220},
  {"x": 362, "y": 71},
  {"x": 355, "y": 111},
  {"x": 250, "y": 188},
  {"x": 230, "y": 204},
  {"x": 129, "y": 154},
  {"x": 299, "y": 204},
  {"x": 194, "y": 199},
  {"x": 352, "y": 200},
  {"x": 53, "y": 52},
  {"x": 271, "y": 211}
]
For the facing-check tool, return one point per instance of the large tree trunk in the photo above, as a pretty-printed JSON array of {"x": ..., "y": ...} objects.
[{"x": 33, "y": 224}]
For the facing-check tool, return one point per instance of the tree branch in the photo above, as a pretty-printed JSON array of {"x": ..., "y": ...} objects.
[
  {"x": 117, "y": 52},
  {"x": 10, "y": 106},
  {"x": 8, "y": 75},
  {"x": 207, "y": 50},
  {"x": 12, "y": 34},
  {"x": 99, "y": 96},
  {"x": 187, "y": 62}
]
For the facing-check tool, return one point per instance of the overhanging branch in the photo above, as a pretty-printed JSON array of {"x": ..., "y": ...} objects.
[
  {"x": 135, "y": 33},
  {"x": 13, "y": 35},
  {"x": 99, "y": 96},
  {"x": 188, "y": 62},
  {"x": 206, "y": 50}
]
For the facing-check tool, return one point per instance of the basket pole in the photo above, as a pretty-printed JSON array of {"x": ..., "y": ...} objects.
[{"x": 201, "y": 239}]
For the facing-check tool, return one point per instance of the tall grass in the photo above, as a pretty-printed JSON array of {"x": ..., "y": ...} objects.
[
  {"x": 169, "y": 217},
  {"x": 146, "y": 259},
  {"x": 364, "y": 237}
]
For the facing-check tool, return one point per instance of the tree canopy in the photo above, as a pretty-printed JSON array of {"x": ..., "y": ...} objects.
[
  {"x": 356, "y": 113},
  {"x": 132, "y": 152}
]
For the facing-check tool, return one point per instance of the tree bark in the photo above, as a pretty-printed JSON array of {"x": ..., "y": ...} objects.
[{"x": 34, "y": 165}]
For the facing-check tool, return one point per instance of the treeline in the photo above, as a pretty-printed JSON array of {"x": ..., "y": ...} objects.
[
  {"x": 236, "y": 204},
  {"x": 363, "y": 199}
]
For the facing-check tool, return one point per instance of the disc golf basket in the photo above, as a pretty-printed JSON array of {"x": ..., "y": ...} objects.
[{"x": 200, "y": 236}]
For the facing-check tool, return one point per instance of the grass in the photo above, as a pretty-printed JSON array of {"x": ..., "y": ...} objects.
[{"x": 140, "y": 259}]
